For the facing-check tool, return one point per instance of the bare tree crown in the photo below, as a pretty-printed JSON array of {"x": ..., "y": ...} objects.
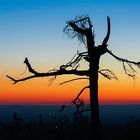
[{"x": 81, "y": 27}]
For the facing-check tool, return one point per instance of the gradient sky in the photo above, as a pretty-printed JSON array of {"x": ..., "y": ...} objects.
[{"x": 34, "y": 29}]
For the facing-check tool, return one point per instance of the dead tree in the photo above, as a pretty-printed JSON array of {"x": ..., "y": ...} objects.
[{"x": 81, "y": 28}]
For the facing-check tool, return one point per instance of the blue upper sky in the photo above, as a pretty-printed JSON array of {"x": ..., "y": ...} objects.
[{"x": 34, "y": 28}]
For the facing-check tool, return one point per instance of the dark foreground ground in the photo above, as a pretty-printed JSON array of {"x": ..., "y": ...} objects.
[
  {"x": 63, "y": 129},
  {"x": 68, "y": 123}
]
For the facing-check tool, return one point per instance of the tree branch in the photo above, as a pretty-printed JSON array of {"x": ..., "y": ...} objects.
[
  {"x": 123, "y": 59},
  {"x": 79, "y": 28},
  {"x": 108, "y": 74},
  {"x": 104, "y": 43},
  {"x": 80, "y": 94},
  {"x": 74, "y": 62},
  {"x": 30, "y": 69},
  {"x": 55, "y": 73},
  {"x": 130, "y": 72},
  {"x": 22, "y": 79},
  {"x": 76, "y": 28}
]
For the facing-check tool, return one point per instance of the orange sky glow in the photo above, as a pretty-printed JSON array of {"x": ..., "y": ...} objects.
[
  {"x": 37, "y": 91},
  {"x": 34, "y": 29}
]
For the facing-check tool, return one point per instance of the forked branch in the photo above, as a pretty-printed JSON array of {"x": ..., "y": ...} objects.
[
  {"x": 47, "y": 74},
  {"x": 78, "y": 28},
  {"x": 75, "y": 61},
  {"x": 123, "y": 59},
  {"x": 130, "y": 72},
  {"x": 77, "y": 97}
]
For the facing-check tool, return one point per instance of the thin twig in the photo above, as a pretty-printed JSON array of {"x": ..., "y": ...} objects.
[
  {"x": 108, "y": 74},
  {"x": 51, "y": 80},
  {"x": 72, "y": 80}
]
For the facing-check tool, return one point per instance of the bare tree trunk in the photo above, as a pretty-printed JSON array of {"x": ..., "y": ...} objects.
[
  {"x": 94, "y": 56},
  {"x": 93, "y": 81}
]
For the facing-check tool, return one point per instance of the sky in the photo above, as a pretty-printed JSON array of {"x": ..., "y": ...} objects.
[{"x": 34, "y": 29}]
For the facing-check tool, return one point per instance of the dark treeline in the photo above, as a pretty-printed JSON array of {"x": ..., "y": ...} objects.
[{"x": 64, "y": 127}]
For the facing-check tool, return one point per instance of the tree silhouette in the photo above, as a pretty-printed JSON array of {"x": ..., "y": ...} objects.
[{"x": 81, "y": 27}]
